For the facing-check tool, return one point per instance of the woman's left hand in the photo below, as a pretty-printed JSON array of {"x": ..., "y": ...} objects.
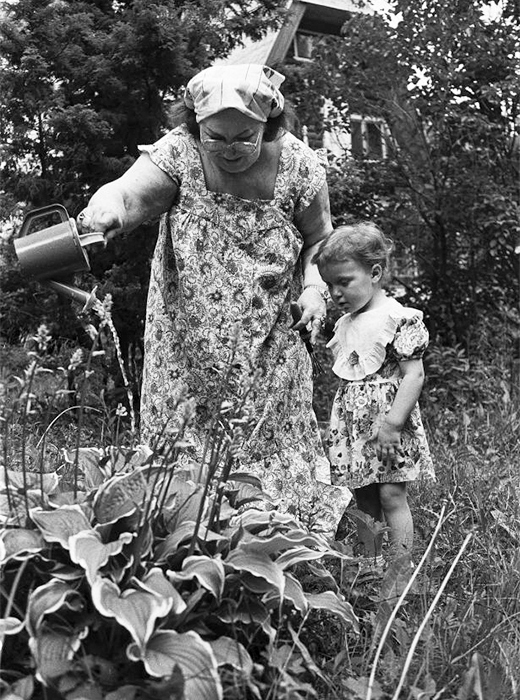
[{"x": 314, "y": 310}]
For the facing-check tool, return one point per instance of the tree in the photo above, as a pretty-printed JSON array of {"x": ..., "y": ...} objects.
[
  {"x": 82, "y": 83},
  {"x": 445, "y": 78}
]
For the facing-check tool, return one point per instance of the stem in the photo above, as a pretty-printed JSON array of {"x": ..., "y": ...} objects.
[
  {"x": 419, "y": 632},
  {"x": 81, "y": 409},
  {"x": 66, "y": 410},
  {"x": 393, "y": 614},
  {"x": 28, "y": 387},
  {"x": 10, "y": 600}
]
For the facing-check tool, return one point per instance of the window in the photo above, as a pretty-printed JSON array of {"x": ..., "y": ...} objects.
[
  {"x": 303, "y": 46},
  {"x": 368, "y": 137}
]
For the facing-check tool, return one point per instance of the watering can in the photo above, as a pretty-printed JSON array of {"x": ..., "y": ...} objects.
[{"x": 52, "y": 254}]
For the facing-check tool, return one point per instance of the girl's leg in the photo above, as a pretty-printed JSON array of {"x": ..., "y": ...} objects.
[
  {"x": 370, "y": 537},
  {"x": 394, "y": 503}
]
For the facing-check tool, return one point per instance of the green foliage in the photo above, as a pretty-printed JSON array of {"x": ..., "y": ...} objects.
[
  {"x": 136, "y": 574},
  {"x": 91, "y": 531},
  {"x": 82, "y": 84},
  {"x": 445, "y": 79},
  {"x": 131, "y": 571}
]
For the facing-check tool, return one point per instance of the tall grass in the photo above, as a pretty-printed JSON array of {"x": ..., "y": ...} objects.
[{"x": 455, "y": 633}]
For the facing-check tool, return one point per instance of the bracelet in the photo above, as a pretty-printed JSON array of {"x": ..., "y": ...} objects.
[{"x": 322, "y": 290}]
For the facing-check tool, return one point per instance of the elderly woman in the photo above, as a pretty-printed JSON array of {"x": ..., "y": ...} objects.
[{"x": 244, "y": 204}]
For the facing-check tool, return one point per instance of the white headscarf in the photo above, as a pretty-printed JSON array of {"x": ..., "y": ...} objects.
[{"x": 250, "y": 88}]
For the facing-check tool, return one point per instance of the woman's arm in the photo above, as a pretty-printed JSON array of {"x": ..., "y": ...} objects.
[
  {"x": 143, "y": 192},
  {"x": 389, "y": 436},
  {"x": 314, "y": 223}
]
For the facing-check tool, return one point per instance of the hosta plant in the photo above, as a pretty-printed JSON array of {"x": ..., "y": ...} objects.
[{"x": 143, "y": 577}]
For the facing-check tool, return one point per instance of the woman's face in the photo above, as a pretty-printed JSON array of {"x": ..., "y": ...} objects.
[{"x": 232, "y": 140}]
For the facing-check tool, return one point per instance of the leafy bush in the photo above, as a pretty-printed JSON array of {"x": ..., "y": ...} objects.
[{"x": 132, "y": 573}]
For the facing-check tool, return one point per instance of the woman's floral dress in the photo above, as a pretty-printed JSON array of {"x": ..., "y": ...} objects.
[
  {"x": 367, "y": 349},
  {"x": 224, "y": 272}
]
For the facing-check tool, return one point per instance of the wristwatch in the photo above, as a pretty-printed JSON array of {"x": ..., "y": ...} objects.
[{"x": 322, "y": 290}]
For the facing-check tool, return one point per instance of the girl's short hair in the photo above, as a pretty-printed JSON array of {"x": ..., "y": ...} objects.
[
  {"x": 274, "y": 126},
  {"x": 362, "y": 241}
]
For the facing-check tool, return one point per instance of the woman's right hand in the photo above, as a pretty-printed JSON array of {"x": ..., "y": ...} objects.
[
  {"x": 142, "y": 193},
  {"x": 96, "y": 218}
]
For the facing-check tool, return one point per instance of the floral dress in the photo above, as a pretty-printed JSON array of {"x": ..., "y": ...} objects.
[
  {"x": 227, "y": 268},
  {"x": 367, "y": 349}
]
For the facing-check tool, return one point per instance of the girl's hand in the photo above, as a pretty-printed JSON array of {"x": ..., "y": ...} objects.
[
  {"x": 313, "y": 315},
  {"x": 388, "y": 445}
]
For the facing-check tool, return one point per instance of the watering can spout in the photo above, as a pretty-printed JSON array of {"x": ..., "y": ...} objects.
[
  {"x": 56, "y": 252},
  {"x": 88, "y": 299}
]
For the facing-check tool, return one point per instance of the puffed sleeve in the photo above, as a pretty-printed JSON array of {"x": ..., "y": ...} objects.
[
  {"x": 411, "y": 339},
  {"x": 171, "y": 153},
  {"x": 312, "y": 175}
]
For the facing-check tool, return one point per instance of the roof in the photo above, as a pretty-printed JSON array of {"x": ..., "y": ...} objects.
[
  {"x": 320, "y": 16},
  {"x": 251, "y": 51}
]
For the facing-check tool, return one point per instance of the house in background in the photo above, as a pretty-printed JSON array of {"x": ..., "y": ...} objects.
[{"x": 307, "y": 21}]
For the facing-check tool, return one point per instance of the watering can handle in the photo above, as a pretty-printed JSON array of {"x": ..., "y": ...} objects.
[{"x": 43, "y": 211}]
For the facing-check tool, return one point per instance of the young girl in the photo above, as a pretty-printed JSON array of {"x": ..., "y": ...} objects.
[{"x": 377, "y": 442}]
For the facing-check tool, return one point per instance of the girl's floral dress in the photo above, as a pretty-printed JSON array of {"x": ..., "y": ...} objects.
[
  {"x": 224, "y": 272},
  {"x": 367, "y": 349}
]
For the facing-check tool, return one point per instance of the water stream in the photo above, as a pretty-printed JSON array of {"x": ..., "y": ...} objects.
[{"x": 102, "y": 309}]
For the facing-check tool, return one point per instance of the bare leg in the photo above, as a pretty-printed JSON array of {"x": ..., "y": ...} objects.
[
  {"x": 367, "y": 500},
  {"x": 394, "y": 502}
]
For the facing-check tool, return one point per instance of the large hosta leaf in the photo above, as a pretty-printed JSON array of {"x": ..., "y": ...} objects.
[
  {"x": 294, "y": 593},
  {"x": 21, "y": 689},
  {"x": 208, "y": 572},
  {"x": 136, "y": 610},
  {"x": 120, "y": 496},
  {"x": 48, "y": 598},
  {"x": 167, "y": 649},
  {"x": 9, "y": 625},
  {"x": 335, "y": 604},
  {"x": 182, "y": 535},
  {"x": 13, "y": 507},
  {"x": 281, "y": 542},
  {"x": 88, "y": 461},
  {"x": 19, "y": 543},
  {"x": 183, "y": 500},
  {"x": 258, "y": 564},
  {"x": 296, "y": 556},
  {"x": 58, "y": 525},
  {"x": 229, "y": 652},
  {"x": 249, "y": 611},
  {"x": 20, "y": 481},
  {"x": 87, "y": 550},
  {"x": 262, "y": 521},
  {"x": 128, "y": 459},
  {"x": 156, "y": 582},
  {"x": 53, "y": 653}
]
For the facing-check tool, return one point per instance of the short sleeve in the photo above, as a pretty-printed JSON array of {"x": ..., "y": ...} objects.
[
  {"x": 411, "y": 339},
  {"x": 301, "y": 174},
  {"x": 313, "y": 175},
  {"x": 172, "y": 153}
]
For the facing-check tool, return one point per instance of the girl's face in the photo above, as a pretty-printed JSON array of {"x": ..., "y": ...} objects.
[
  {"x": 351, "y": 285},
  {"x": 232, "y": 140}
]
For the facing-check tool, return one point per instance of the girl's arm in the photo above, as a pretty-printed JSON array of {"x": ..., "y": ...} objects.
[
  {"x": 388, "y": 446},
  {"x": 143, "y": 192}
]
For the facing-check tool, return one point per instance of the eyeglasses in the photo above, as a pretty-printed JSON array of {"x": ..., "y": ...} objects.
[{"x": 243, "y": 148}]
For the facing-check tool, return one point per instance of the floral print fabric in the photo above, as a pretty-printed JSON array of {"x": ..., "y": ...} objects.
[
  {"x": 361, "y": 404},
  {"x": 227, "y": 268}
]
